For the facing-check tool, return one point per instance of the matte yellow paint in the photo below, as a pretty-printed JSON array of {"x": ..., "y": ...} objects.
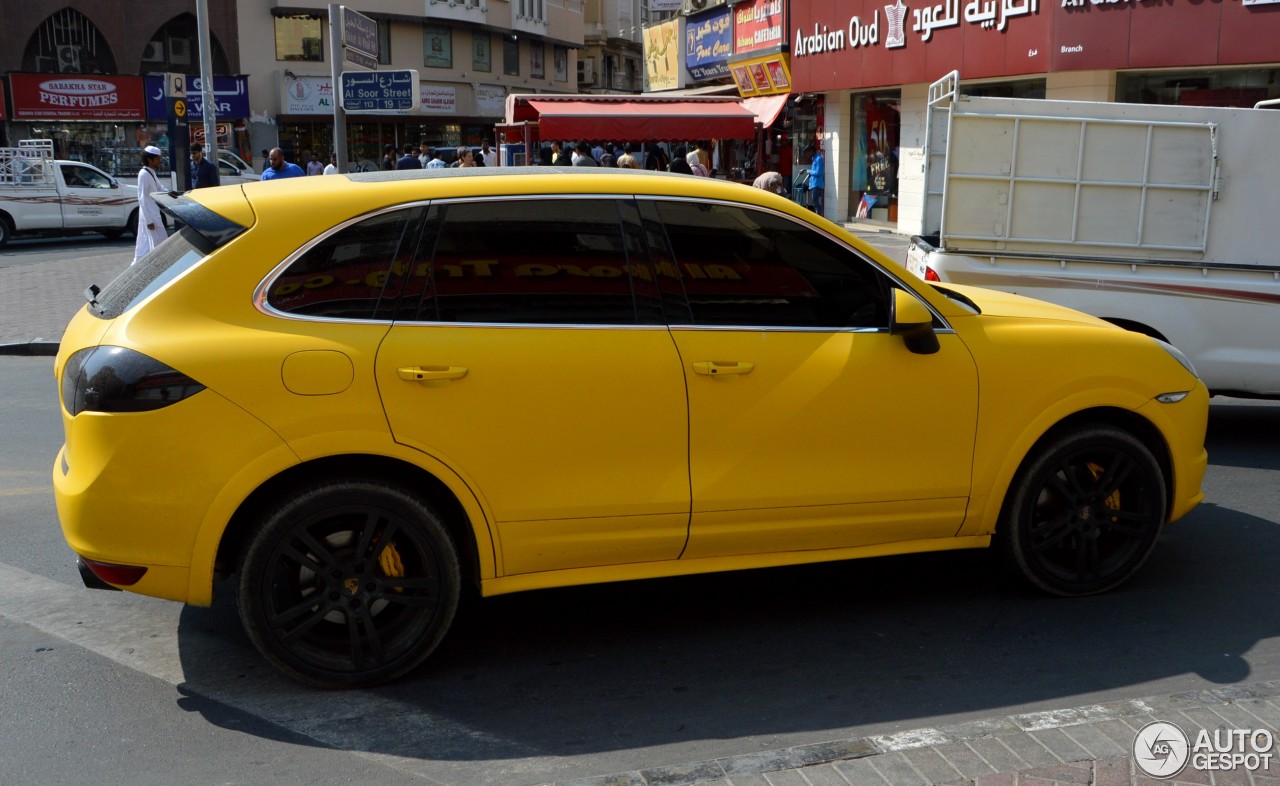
[{"x": 586, "y": 455}]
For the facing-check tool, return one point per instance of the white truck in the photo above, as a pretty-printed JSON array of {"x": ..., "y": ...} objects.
[
  {"x": 1154, "y": 218},
  {"x": 41, "y": 195}
]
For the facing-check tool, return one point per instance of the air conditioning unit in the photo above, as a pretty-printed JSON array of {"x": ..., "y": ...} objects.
[
  {"x": 586, "y": 71},
  {"x": 69, "y": 59},
  {"x": 697, "y": 5},
  {"x": 154, "y": 53}
]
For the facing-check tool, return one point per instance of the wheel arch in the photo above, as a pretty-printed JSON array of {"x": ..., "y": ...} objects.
[
  {"x": 1134, "y": 326},
  {"x": 1126, "y": 420},
  {"x": 412, "y": 478}
]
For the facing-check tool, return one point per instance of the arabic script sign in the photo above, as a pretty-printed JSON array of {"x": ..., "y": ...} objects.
[
  {"x": 230, "y": 94},
  {"x": 708, "y": 44},
  {"x": 75, "y": 97},
  {"x": 380, "y": 91}
]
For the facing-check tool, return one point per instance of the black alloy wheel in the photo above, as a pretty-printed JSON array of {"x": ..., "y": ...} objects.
[
  {"x": 349, "y": 584},
  {"x": 1084, "y": 513}
]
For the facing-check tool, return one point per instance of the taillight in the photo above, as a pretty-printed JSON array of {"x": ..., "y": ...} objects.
[
  {"x": 122, "y": 575},
  {"x": 930, "y": 274},
  {"x": 115, "y": 379}
]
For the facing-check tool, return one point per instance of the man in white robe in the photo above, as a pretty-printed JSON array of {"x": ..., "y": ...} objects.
[{"x": 151, "y": 231}]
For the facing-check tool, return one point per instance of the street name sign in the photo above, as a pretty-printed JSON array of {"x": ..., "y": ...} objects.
[{"x": 380, "y": 91}]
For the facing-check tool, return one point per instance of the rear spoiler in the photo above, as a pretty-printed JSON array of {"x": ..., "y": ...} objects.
[{"x": 214, "y": 228}]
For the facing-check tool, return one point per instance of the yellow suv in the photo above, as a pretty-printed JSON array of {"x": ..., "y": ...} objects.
[{"x": 360, "y": 394}]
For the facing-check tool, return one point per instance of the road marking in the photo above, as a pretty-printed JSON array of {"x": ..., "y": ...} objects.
[{"x": 17, "y": 492}]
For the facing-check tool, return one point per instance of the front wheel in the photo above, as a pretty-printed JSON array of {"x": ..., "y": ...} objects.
[
  {"x": 6, "y": 231},
  {"x": 1084, "y": 512},
  {"x": 349, "y": 584}
]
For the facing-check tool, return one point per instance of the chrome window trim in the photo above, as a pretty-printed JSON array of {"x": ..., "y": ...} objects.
[{"x": 260, "y": 293}]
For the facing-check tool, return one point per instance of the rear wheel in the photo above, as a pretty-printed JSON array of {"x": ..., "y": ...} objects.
[
  {"x": 1084, "y": 513},
  {"x": 349, "y": 584},
  {"x": 6, "y": 231},
  {"x": 133, "y": 223}
]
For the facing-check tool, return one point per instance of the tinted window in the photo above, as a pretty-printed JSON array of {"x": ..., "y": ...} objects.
[
  {"x": 740, "y": 266},
  {"x": 549, "y": 261},
  {"x": 345, "y": 275}
]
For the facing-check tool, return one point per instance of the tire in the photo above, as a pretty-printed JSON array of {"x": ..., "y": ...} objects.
[
  {"x": 1084, "y": 512},
  {"x": 132, "y": 227},
  {"x": 112, "y": 234},
  {"x": 6, "y": 231},
  {"x": 349, "y": 584}
]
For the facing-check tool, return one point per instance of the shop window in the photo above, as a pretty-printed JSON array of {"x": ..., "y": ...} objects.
[
  {"x": 1237, "y": 88},
  {"x": 299, "y": 38}
]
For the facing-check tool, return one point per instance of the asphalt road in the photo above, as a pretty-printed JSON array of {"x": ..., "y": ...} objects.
[{"x": 555, "y": 685}]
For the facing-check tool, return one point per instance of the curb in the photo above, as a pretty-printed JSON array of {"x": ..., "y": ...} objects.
[
  {"x": 1033, "y": 728},
  {"x": 35, "y": 347}
]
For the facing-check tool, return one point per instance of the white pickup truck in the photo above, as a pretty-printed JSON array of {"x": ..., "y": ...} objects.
[
  {"x": 40, "y": 195},
  {"x": 1155, "y": 218}
]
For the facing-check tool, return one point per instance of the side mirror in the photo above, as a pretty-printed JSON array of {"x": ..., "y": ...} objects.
[{"x": 913, "y": 320}]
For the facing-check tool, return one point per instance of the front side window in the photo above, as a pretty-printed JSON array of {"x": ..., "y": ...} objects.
[
  {"x": 346, "y": 275},
  {"x": 84, "y": 177},
  {"x": 550, "y": 261},
  {"x": 749, "y": 267},
  {"x": 299, "y": 38}
]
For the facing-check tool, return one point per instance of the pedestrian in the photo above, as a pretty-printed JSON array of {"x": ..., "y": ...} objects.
[
  {"x": 817, "y": 179},
  {"x": 424, "y": 154},
  {"x": 388, "y": 158},
  {"x": 436, "y": 162},
  {"x": 332, "y": 167},
  {"x": 680, "y": 165},
  {"x": 627, "y": 160},
  {"x": 557, "y": 154},
  {"x": 771, "y": 181},
  {"x": 408, "y": 160},
  {"x": 150, "y": 231},
  {"x": 266, "y": 159},
  {"x": 584, "y": 157},
  {"x": 695, "y": 157},
  {"x": 314, "y": 167},
  {"x": 487, "y": 154},
  {"x": 278, "y": 169},
  {"x": 466, "y": 158},
  {"x": 203, "y": 173}
]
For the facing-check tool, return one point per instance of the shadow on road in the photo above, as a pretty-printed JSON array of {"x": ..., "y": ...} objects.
[{"x": 858, "y": 646}]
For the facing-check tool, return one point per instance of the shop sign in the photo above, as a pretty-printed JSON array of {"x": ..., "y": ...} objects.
[
  {"x": 439, "y": 100},
  {"x": 858, "y": 32},
  {"x": 77, "y": 97},
  {"x": 762, "y": 76},
  {"x": 666, "y": 5},
  {"x": 230, "y": 96},
  {"x": 662, "y": 63},
  {"x": 708, "y": 44},
  {"x": 758, "y": 26},
  {"x": 308, "y": 95},
  {"x": 491, "y": 100}
]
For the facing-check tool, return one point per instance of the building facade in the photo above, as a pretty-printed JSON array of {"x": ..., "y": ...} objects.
[
  {"x": 468, "y": 55},
  {"x": 87, "y": 74}
]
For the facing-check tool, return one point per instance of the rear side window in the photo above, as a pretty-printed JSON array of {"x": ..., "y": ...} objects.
[
  {"x": 346, "y": 275},
  {"x": 138, "y": 281},
  {"x": 547, "y": 261},
  {"x": 747, "y": 267}
]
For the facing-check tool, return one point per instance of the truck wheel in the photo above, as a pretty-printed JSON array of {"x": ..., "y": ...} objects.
[
  {"x": 133, "y": 224},
  {"x": 1084, "y": 512},
  {"x": 349, "y": 583},
  {"x": 6, "y": 230}
]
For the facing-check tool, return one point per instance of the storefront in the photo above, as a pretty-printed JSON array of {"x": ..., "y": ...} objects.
[
  {"x": 873, "y": 63},
  {"x": 82, "y": 114},
  {"x": 450, "y": 115}
]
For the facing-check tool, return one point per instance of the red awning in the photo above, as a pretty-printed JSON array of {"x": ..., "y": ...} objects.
[
  {"x": 766, "y": 108},
  {"x": 642, "y": 121}
]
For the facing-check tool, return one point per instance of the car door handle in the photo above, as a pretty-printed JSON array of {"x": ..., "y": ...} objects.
[
  {"x": 429, "y": 373},
  {"x": 717, "y": 368}
]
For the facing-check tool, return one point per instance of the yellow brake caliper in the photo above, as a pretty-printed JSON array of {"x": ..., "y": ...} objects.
[
  {"x": 1113, "y": 501},
  {"x": 391, "y": 564}
]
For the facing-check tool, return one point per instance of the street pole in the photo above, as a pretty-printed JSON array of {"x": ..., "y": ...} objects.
[
  {"x": 335, "y": 58},
  {"x": 209, "y": 104}
]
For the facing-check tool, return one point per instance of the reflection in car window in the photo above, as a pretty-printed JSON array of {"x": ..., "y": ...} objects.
[
  {"x": 83, "y": 177},
  {"x": 344, "y": 275},
  {"x": 741, "y": 266},
  {"x": 550, "y": 261}
]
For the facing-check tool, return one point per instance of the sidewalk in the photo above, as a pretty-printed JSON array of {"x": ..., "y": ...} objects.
[
  {"x": 38, "y": 299},
  {"x": 1082, "y": 746}
]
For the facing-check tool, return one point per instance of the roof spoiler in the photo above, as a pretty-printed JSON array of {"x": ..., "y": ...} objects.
[{"x": 214, "y": 228}]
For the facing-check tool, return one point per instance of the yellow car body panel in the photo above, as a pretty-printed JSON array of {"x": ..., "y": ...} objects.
[{"x": 748, "y": 468}]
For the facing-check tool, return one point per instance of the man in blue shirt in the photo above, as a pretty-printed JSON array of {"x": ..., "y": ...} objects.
[
  {"x": 278, "y": 168},
  {"x": 817, "y": 180},
  {"x": 203, "y": 173}
]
